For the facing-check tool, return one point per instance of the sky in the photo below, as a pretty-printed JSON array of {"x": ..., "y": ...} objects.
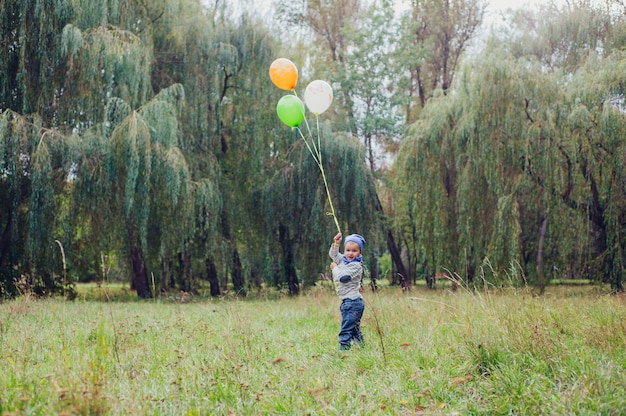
[
  {"x": 495, "y": 8},
  {"x": 504, "y": 4},
  {"x": 264, "y": 6}
]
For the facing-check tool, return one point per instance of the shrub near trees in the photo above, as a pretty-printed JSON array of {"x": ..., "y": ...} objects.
[{"x": 141, "y": 139}]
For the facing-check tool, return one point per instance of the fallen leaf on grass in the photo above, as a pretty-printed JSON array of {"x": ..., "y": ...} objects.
[
  {"x": 461, "y": 380},
  {"x": 278, "y": 360},
  {"x": 317, "y": 390}
]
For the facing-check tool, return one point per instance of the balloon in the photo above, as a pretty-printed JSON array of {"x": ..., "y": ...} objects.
[
  {"x": 290, "y": 110},
  {"x": 284, "y": 74},
  {"x": 318, "y": 96}
]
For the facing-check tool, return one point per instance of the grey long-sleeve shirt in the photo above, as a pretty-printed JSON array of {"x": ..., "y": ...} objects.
[{"x": 347, "y": 277}]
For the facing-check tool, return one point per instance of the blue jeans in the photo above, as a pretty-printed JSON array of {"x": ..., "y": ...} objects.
[{"x": 351, "y": 313}]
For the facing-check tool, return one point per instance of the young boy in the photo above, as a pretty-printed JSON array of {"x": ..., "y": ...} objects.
[{"x": 347, "y": 270}]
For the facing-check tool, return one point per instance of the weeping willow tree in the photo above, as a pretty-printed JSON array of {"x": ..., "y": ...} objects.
[
  {"x": 125, "y": 188},
  {"x": 223, "y": 64},
  {"x": 45, "y": 72},
  {"x": 182, "y": 36},
  {"x": 228, "y": 129},
  {"x": 47, "y": 67},
  {"x": 33, "y": 172},
  {"x": 596, "y": 178},
  {"x": 295, "y": 207},
  {"x": 246, "y": 125},
  {"x": 111, "y": 177},
  {"x": 517, "y": 175},
  {"x": 134, "y": 195},
  {"x": 586, "y": 41},
  {"x": 14, "y": 187},
  {"x": 147, "y": 189},
  {"x": 386, "y": 65},
  {"x": 113, "y": 45},
  {"x": 30, "y": 47}
]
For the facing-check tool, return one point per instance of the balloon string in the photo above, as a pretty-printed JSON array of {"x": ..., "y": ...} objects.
[
  {"x": 317, "y": 156},
  {"x": 319, "y": 153},
  {"x": 305, "y": 120},
  {"x": 319, "y": 147},
  {"x": 317, "y": 161}
]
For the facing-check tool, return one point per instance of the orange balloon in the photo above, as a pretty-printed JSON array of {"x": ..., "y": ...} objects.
[{"x": 284, "y": 74}]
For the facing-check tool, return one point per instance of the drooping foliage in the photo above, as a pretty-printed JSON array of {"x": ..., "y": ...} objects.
[
  {"x": 230, "y": 119},
  {"x": 28, "y": 203},
  {"x": 139, "y": 141},
  {"x": 109, "y": 179},
  {"x": 150, "y": 188},
  {"x": 385, "y": 64},
  {"x": 165, "y": 129},
  {"x": 116, "y": 58},
  {"x": 518, "y": 174},
  {"x": 562, "y": 35},
  {"x": 296, "y": 208}
]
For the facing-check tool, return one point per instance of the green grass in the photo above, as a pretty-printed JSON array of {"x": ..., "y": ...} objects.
[{"x": 427, "y": 352}]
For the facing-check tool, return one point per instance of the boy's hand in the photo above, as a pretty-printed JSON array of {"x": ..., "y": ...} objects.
[{"x": 337, "y": 239}]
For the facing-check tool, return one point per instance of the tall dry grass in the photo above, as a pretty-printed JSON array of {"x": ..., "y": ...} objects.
[{"x": 426, "y": 352}]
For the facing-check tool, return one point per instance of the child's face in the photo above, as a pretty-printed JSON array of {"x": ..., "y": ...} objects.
[{"x": 351, "y": 250}]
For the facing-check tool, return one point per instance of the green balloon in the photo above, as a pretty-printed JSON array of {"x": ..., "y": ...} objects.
[{"x": 290, "y": 110}]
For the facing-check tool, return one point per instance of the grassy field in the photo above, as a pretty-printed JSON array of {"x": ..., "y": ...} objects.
[{"x": 426, "y": 352}]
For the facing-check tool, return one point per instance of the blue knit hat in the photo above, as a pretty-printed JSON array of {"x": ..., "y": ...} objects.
[{"x": 355, "y": 238}]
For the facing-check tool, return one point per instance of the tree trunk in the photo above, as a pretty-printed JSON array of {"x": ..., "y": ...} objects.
[
  {"x": 49, "y": 286},
  {"x": 605, "y": 263},
  {"x": 393, "y": 248},
  {"x": 5, "y": 240},
  {"x": 214, "y": 283},
  {"x": 373, "y": 274},
  {"x": 429, "y": 277},
  {"x": 542, "y": 237},
  {"x": 140, "y": 277},
  {"x": 166, "y": 274},
  {"x": 237, "y": 273},
  {"x": 288, "y": 261},
  {"x": 471, "y": 272},
  {"x": 255, "y": 276},
  {"x": 276, "y": 269},
  {"x": 186, "y": 282},
  {"x": 236, "y": 268}
]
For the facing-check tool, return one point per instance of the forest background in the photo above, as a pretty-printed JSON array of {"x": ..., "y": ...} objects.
[{"x": 139, "y": 142}]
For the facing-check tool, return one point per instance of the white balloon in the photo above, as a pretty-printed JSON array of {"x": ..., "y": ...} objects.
[{"x": 317, "y": 96}]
